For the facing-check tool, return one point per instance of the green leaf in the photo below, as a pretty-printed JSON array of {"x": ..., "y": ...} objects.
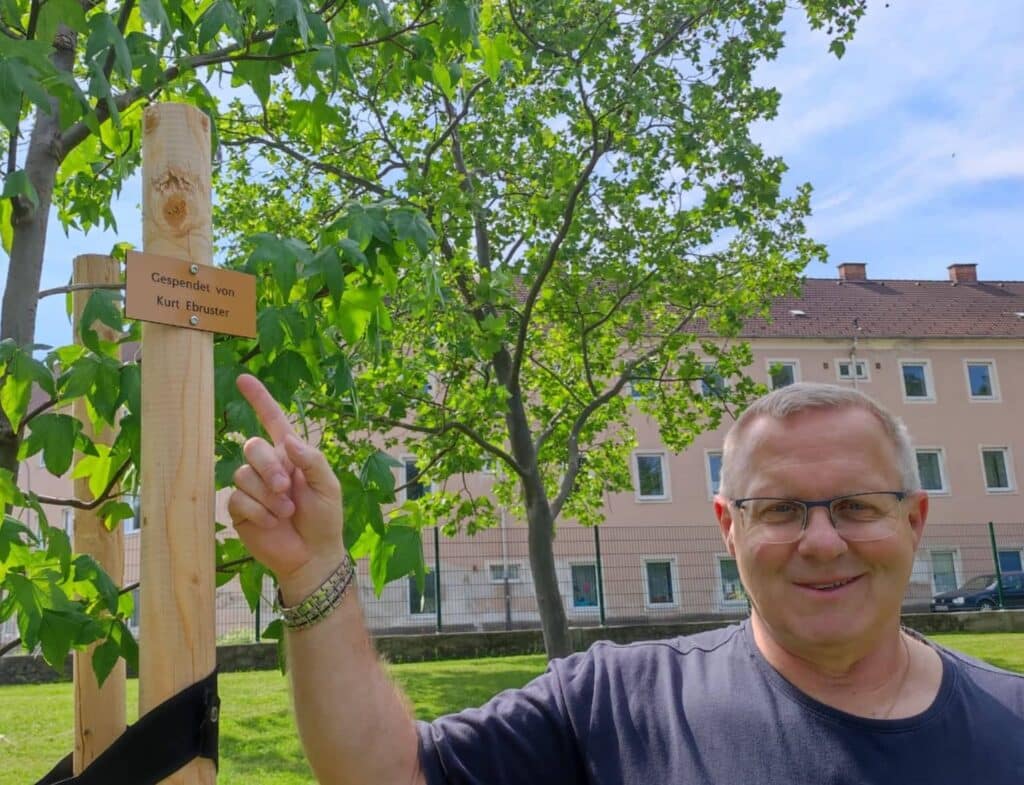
[
  {"x": 104, "y": 306},
  {"x": 17, "y": 387},
  {"x": 153, "y": 13},
  {"x": 87, "y": 570},
  {"x": 251, "y": 580},
  {"x": 411, "y": 224},
  {"x": 18, "y": 184},
  {"x": 104, "y": 658},
  {"x": 270, "y": 330},
  {"x": 376, "y": 474},
  {"x": 221, "y": 14},
  {"x": 55, "y": 435}
]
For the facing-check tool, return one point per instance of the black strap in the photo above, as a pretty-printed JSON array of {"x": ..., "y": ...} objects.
[{"x": 180, "y": 729}]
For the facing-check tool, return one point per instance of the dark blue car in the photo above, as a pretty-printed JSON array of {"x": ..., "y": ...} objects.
[{"x": 982, "y": 594}]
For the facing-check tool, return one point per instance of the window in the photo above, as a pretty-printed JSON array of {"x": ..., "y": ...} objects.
[
  {"x": 659, "y": 583},
  {"x": 414, "y": 489},
  {"x": 714, "y": 466},
  {"x": 996, "y": 463},
  {"x": 852, "y": 369},
  {"x": 930, "y": 472},
  {"x": 584, "y": 585},
  {"x": 650, "y": 476},
  {"x": 133, "y": 622},
  {"x": 510, "y": 570},
  {"x": 944, "y": 571},
  {"x": 134, "y": 523},
  {"x": 981, "y": 380},
  {"x": 644, "y": 381},
  {"x": 712, "y": 383},
  {"x": 782, "y": 373},
  {"x": 69, "y": 521},
  {"x": 426, "y": 602},
  {"x": 1009, "y": 561},
  {"x": 729, "y": 581},
  {"x": 917, "y": 384}
]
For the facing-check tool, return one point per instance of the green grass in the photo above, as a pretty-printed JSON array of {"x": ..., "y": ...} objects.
[{"x": 258, "y": 744}]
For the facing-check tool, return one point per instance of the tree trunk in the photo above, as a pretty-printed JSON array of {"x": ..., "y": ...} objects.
[
  {"x": 539, "y": 519},
  {"x": 21, "y": 297}
]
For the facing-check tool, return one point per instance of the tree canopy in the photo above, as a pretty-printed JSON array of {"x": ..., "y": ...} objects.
[{"x": 483, "y": 226}]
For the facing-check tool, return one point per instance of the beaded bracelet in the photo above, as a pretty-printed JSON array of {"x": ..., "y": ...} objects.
[{"x": 318, "y": 605}]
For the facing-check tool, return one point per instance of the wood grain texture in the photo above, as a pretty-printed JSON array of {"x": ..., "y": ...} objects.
[
  {"x": 177, "y": 624},
  {"x": 99, "y": 712}
]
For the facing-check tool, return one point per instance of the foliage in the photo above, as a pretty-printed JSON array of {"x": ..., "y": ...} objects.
[
  {"x": 479, "y": 223},
  {"x": 600, "y": 223}
]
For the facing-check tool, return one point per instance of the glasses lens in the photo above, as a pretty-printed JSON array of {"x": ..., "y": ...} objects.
[
  {"x": 775, "y": 520},
  {"x": 866, "y": 516}
]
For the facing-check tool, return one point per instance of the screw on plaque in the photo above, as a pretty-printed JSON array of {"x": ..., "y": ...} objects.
[
  {"x": 193, "y": 320},
  {"x": 194, "y": 269}
]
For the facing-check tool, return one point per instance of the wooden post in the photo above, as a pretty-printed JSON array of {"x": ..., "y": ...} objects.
[
  {"x": 99, "y": 712},
  {"x": 177, "y": 623}
]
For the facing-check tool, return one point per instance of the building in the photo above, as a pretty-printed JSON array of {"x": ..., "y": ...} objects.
[{"x": 945, "y": 355}]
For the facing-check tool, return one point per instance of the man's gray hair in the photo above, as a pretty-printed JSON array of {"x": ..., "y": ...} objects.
[{"x": 795, "y": 398}]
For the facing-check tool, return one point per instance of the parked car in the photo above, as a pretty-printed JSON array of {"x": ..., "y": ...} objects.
[{"x": 982, "y": 594}]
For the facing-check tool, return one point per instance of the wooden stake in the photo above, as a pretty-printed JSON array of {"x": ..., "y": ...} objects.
[
  {"x": 177, "y": 632},
  {"x": 99, "y": 712}
]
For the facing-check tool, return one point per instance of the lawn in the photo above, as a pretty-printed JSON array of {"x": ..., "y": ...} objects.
[{"x": 258, "y": 745}]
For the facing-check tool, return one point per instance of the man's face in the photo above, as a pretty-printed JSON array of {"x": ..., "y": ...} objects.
[{"x": 822, "y": 592}]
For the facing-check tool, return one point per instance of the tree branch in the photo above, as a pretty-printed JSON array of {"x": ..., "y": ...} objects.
[
  {"x": 80, "y": 505},
  {"x": 460, "y": 428},
  {"x": 78, "y": 287},
  {"x": 313, "y": 163}
]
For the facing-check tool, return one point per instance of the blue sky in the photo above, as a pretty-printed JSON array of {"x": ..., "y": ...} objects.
[{"x": 914, "y": 142}]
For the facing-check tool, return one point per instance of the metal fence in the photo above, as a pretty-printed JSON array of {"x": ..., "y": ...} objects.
[{"x": 606, "y": 575}]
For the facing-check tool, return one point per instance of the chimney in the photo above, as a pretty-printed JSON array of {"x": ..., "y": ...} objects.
[
  {"x": 963, "y": 273},
  {"x": 853, "y": 271}
]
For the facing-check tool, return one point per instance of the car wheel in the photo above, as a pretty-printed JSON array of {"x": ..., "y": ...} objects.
[{"x": 986, "y": 605}]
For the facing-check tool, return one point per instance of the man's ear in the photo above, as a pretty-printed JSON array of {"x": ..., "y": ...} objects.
[
  {"x": 723, "y": 513},
  {"x": 917, "y": 513}
]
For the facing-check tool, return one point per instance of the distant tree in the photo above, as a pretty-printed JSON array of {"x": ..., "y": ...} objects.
[{"x": 596, "y": 219}]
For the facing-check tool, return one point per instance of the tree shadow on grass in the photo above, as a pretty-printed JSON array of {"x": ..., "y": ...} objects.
[
  {"x": 262, "y": 745},
  {"x": 439, "y": 692}
]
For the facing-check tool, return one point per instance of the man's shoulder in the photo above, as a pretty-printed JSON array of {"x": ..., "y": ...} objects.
[
  {"x": 718, "y": 642},
  {"x": 974, "y": 675}
]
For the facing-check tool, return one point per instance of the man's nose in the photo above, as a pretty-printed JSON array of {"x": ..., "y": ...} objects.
[{"x": 820, "y": 538}]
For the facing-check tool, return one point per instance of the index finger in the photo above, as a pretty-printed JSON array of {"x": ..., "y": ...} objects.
[{"x": 267, "y": 409}]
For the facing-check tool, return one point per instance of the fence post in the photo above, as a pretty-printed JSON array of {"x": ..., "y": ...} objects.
[
  {"x": 437, "y": 575},
  {"x": 600, "y": 573},
  {"x": 259, "y": 603},
  {"x": 995, "y": 558}
]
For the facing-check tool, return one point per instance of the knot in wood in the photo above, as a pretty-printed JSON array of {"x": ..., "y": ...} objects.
[{"x": 178, "y": 191}]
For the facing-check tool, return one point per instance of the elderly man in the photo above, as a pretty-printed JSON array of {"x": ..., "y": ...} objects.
[{"x": 821, "y": 506}]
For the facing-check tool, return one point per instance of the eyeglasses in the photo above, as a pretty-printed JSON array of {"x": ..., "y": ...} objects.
[{"x": 856, "y": 517}]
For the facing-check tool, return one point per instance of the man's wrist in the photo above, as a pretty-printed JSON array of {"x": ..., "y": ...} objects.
[
  {"x": 300, "y": 583},
  {"x": 322, "y": 601}
]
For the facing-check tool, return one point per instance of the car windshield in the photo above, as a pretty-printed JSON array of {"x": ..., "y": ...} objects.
[{"x": 981, "y": 582}]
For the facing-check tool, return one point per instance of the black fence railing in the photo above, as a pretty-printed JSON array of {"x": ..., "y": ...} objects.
[{"x": 613, "y": 575}]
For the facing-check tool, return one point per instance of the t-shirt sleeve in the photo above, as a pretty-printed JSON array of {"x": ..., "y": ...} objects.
[{"x": 518, "y": 737}]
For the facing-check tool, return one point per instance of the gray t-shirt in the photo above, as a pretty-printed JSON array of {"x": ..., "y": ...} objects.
[{"x": 708, "y": 709}]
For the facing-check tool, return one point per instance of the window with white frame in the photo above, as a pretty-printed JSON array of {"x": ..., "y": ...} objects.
[
  {"x": 650, "y": 476},
  {"x": 414, "y": 489},
  {"x": 848, "y": 370},
  {"x": 426, "y": 601},
  {"x": 660, "y": 588},
  {"x": 714, "y": 469},
  {"x": 944, "y": 576},
  {"x": 644, "y": 381},
  {"x": 729, "y": 584},
  {"x": 782, "y": 373},
  {"x": 500, "y": 572},
  {"x": 996, "y": 464},
  {"x": 981, "y": 380},
  {"x": 584, "y": 585},
  {"x": 69, "y": 521},
  {"x": 930, "y": 470},
  {"x": 917, "y": 380},
  {"x": 133, "y": 620}
]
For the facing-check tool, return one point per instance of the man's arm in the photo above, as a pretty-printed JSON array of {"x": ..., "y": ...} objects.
[{"x": 355, "y": 726}]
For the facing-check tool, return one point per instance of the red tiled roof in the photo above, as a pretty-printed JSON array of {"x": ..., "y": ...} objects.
[{"x": 896, "y": 309}]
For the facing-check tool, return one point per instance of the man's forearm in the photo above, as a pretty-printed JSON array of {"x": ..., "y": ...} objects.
[{"x": 355, "y": 725}]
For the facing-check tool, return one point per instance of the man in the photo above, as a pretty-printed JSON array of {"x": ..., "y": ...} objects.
[{"x": 821, "y": 506}]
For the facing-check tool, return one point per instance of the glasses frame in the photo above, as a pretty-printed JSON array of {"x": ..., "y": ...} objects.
[{"x": 808, "y": 505}]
